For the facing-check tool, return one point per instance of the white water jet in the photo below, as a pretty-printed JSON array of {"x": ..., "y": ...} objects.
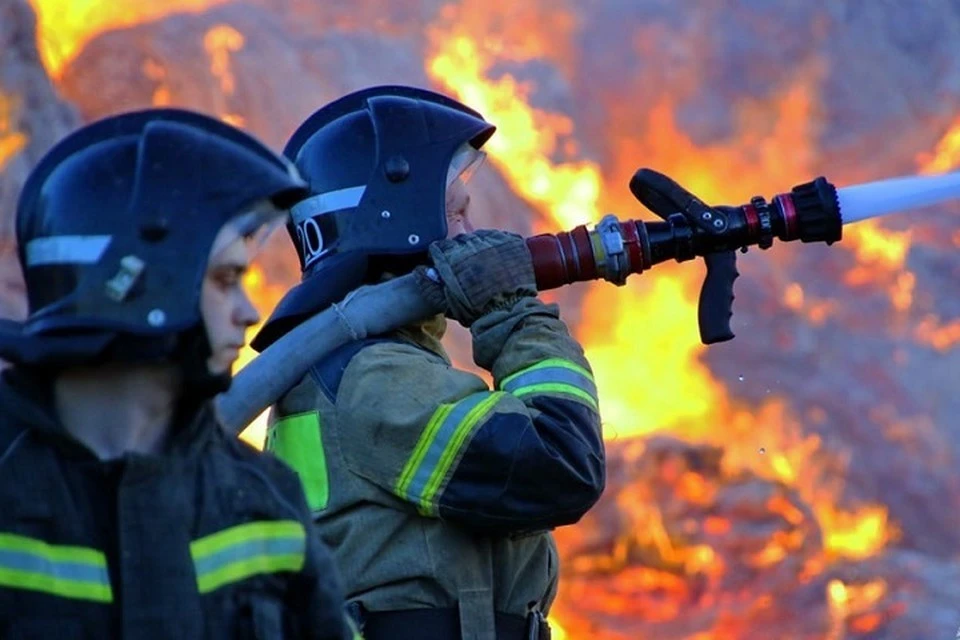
[{"x": 883, "y": 197}]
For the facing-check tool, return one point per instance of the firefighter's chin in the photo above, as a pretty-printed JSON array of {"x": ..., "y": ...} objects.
[{"x": 223, "y": 360}]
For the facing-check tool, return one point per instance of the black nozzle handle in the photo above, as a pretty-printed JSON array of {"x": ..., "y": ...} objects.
[{"x": 715, "y": 307}]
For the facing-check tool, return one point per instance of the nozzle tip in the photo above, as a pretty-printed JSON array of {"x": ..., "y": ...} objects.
[{"x": 818, "y": 211}]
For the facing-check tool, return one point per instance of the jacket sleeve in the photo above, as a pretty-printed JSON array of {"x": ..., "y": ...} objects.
[{"x": 525, "y": 456}]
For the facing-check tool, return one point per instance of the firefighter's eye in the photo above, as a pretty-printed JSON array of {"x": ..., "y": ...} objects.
[{"x": 227, "y": 277}]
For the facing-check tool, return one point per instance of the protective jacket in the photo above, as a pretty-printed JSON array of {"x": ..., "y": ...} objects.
[
  {"x": 434, "y": 491},
  {"x": 210, "y": 540}
]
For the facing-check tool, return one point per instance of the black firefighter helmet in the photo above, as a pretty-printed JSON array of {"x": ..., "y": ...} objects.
[
  {"x": 115, "y": 226},
  {"x": 378, "y": 162}
]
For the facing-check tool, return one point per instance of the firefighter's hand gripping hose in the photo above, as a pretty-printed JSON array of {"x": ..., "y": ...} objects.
[
  {"x": 482, "y": 271},
  {"x": 812, "y": 212}
]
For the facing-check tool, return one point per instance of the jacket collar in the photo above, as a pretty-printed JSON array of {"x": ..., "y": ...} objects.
[
  {"x": 27, "y": 399},
  {"x": 427, "y": 334}
]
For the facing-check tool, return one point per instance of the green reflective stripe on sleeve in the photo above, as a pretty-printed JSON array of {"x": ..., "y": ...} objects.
[
  {"x": 247, "y": 550},
  {"x": 546, "y": 364},
  {"x": 66, "y": 571},
  {"x": 297, "y": 441},
  {"x": 559, "y": 389},
  {"x": 554, "y": 376},
  {"x": 440, "y": 446}
]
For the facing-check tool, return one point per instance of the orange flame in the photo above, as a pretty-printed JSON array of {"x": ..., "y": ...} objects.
[
  {"x": 11, "y": 140},
  {"x": 64, "y": 27},
  {"x": 946, "y": 155},
  {"x": 527, "y": 136},
  {"x": 941, "y": 336},
  {"x": 220, "y": 42},
  {"x": 799, "y": 461},
  {"x": 881, "y": 256},
  {"x": 854, "y": 603},
  {"x": 815, "y": 311},
  {"x": 156, "y": 72},
  {"x": 882, "y": 253},
  {"x": 876, "y": 246},
  {"x": 931, "y": 330}
]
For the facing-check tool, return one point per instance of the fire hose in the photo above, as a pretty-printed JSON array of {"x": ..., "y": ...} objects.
[{"x": 812, "y": 212}]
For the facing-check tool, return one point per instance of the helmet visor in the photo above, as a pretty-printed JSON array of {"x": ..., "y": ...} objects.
[
  {"x": 254, "y": 225},
  {"x": 465, "y": 163}
]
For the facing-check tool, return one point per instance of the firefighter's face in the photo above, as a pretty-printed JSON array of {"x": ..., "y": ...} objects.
[
  {"x": 224, "y": 305},
  {"x": 458, "y": 209}
]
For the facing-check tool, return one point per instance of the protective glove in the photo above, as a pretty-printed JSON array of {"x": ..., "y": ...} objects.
[{"x": 482, "y": 272}]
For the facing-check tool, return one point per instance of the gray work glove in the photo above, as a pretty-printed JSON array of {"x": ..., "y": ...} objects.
[{"x": 482, "y": 272}]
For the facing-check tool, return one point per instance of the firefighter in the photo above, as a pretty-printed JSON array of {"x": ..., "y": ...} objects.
[
  {"x": 436, "y": 494},
  {"x": 125, "y": 510}
]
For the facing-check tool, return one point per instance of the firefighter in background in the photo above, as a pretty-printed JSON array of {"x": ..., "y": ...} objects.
[
  {"x": 125, "y": 511},
  {"x": 436, "y": 494}
]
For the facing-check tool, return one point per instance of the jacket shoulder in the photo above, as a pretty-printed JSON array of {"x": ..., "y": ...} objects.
[
  {"x": 329, "y": 372},
  {"x": 386, "y": 358},
  {"x": 252, "y": 465}
]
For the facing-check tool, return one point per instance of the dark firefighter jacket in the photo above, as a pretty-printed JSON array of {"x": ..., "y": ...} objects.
[
  {"x": 434, "y": 491},
  {"x": 211, "y": 540}
]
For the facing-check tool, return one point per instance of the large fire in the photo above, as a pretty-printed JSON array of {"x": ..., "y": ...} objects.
[
  {"x": 674, "y": 552},
  {"x": 651, "y": 321}
]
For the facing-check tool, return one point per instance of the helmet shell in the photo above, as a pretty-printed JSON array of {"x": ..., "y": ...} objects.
[
  {"x": 116, "y": 223},
  {"x": 376, "y": 162}
]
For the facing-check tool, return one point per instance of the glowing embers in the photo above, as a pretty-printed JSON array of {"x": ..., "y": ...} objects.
[{"x": 12, "y": 141}]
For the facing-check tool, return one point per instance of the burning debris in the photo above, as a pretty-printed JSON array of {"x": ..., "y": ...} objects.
[
  {"x": 798, "y": 483},
  {"x": 730, "y": 555}
]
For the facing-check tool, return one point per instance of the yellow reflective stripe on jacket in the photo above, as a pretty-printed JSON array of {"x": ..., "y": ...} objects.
[
  {"x": 354, "y": 631},
  {"x": 247, "y": 550},
  {"x": 554, "y": 376},
  {"x": 296, "y": 440},
  {"x": 448, "y": 431},
  {"x": 69, "y": 572}
]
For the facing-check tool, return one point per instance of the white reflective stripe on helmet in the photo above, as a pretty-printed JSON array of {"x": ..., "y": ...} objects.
[
  {"x": 327, "y": 202},
  {"x": 66, "y": 250}
]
